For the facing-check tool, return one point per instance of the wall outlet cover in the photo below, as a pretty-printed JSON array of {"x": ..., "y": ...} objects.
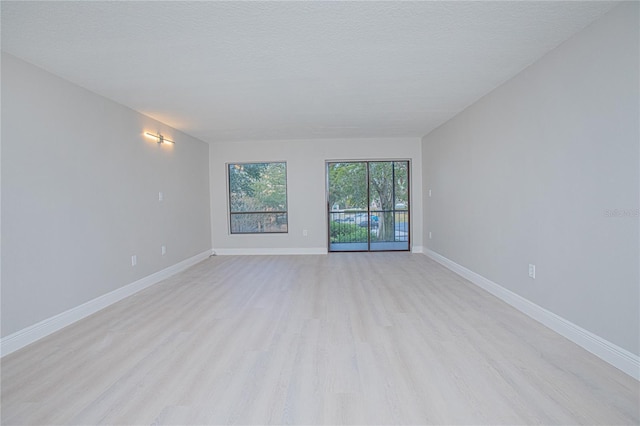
[{"x": 532, "y": 271}]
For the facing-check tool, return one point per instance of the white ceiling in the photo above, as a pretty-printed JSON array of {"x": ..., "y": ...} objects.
[{"x": 285, "y": 70}]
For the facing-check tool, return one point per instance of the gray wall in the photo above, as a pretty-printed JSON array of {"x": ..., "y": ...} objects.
[
  {"x": 80, "y": 188},
  {"x": 533, "y": 173},
  {"x": 305, "y": 188}
]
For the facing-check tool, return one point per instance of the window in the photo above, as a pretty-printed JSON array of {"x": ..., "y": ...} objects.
[
  {"x": 368, "y": 205},
  {"x": 258, "y": 198}
]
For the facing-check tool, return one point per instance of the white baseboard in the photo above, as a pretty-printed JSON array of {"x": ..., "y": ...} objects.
[
  {"x": 28, "y": 335},
  {"x": 268, "y": 251},
  {"x": 607, "y": 351},
  {"x": 417, "y": 249}
]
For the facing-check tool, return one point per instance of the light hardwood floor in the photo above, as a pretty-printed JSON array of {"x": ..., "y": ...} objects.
[{"x": 357, "y": 338}]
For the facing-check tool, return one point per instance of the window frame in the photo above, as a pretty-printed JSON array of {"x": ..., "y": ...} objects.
[{"x": 231, "y": 213}]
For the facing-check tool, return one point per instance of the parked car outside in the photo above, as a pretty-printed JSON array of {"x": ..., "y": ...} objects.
[
  {"x": 364, "y": 221},
  {"x": 401, "y": 206}
]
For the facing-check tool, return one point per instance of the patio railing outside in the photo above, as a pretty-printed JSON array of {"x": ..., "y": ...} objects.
[{"x": 381, "y": 225}]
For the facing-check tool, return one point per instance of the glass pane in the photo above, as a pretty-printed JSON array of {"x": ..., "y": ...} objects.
[
  {"x": 381, "y": 190},
  {"x": 401, "y": 205},
  {"x": 401, "y": 183},
  {"x": 246, "y": 223},
  {"x": 348, "y": 215},
  {"x": 389, "y": 198},
  {"x": 257, "y": 187},
  {"x": 347, "y": 186}
]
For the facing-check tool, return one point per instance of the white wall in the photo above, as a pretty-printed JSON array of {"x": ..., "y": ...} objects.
[
  {"x": 305, "y": 188},
  {"x": 531, "y": 172},
  {"x": 80, "y": 190}
]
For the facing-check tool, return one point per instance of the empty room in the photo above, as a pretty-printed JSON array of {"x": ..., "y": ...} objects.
[{"x": 320, "y": 212}]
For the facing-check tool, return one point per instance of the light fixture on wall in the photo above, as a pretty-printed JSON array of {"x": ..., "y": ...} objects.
[{"x": 159, "y": 138}]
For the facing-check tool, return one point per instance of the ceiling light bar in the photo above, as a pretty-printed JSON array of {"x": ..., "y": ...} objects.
[{"x": 159, "y": 137}]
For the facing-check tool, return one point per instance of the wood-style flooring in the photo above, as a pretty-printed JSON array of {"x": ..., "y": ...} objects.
[{"x": 346, "y": 338}]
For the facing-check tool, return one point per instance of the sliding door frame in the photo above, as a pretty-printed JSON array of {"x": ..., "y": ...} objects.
[{"x": 367, "y": 162}]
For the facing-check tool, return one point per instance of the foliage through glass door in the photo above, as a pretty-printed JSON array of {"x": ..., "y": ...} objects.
[{"x": 368, "y": 205}]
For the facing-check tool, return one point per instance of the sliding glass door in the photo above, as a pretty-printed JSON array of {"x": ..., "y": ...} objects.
[{"x": 368, "y": 205}]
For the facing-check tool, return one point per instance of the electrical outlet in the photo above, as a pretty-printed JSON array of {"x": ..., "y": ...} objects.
[
  {"x": 429, "y": 193},
  {"x": 134, "y": 260},
  {"x": 163, "y": 250},
  {"x": 532, "y": 271},
  {"x": 160, "y": 196},
  {"x": 304, "y": 233},
  {"x": 429, "y": 234}
]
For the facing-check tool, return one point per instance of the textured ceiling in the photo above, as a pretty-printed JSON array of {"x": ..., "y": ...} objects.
[{"x": 283, "y": 70}]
